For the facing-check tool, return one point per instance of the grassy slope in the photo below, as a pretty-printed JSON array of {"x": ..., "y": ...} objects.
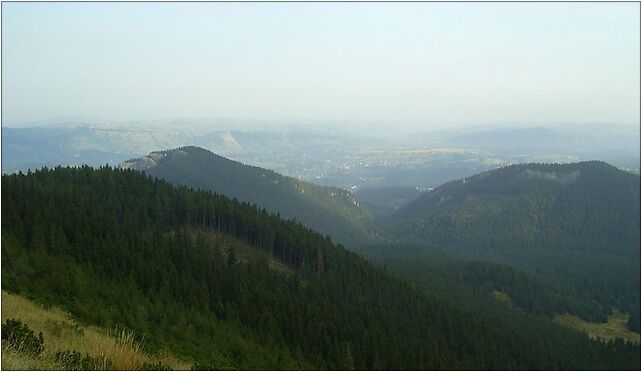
[
  {"x": 62, "y": 332},
  {"x": 616, "y": 327}
]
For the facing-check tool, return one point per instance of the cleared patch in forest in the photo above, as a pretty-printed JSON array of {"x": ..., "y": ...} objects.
[
  {"x": 502, "y": 297},
  {"x": 243, "y": 251},
  {"x": 615, "y": 327}
]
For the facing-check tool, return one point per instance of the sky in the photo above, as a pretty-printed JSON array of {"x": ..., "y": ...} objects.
[{"x": 405, "y": 66}]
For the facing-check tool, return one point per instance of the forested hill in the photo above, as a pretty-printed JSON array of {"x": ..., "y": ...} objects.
[
  {"x": 328, "y": 210},
  {"x": 118, "y": 249},
  {"x": 582, "y": 206},
  {"x": 575, "y": 226}
]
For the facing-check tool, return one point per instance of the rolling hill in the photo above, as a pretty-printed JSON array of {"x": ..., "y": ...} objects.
[
  {"x": 328, "y": 210},
  {"x": 581, "y": 206}
]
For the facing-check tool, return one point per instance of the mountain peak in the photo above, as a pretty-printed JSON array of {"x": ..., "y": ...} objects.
[
  {"x": 329, "y": 210},
  {"x": 152, "y": 159}
]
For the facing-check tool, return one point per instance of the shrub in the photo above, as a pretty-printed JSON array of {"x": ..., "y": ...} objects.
[
  {"x": 19, "y": 336},
  {"x": 74, "y": 361}
]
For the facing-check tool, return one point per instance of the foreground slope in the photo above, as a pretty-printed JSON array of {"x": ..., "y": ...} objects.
[
  {"x": 62, "y": 333},
  {"x": 118, "y": 249},
  {"x": 328, "y": 210}
]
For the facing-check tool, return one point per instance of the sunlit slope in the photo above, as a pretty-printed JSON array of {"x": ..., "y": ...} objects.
[{"x": 328, "y": 210}]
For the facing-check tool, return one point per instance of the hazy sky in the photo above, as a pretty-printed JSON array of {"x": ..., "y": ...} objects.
[{"x": 421, "y": 64}]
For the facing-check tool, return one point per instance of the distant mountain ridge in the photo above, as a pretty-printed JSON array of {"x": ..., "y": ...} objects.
[
  {"x": 520, "y": 139},
  {"x": 328, "y": 210}
]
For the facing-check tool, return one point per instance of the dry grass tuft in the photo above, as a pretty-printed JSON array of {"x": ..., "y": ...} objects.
[
  {"x": 15, "y": 361},
  {"x": 61, "y": 332}
]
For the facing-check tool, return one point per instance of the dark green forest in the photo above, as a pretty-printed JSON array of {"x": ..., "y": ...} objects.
[
  {"x": 570, "y": 230},
  {"x": 120, "y": 249},
  {"x": 464, "y": 273},
  {"x": 588, "y": 206}
]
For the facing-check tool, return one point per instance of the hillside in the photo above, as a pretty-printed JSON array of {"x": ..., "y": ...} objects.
[
  {"x": 118, "y": 249},
  {"x": 582, "y": 206},
  {"x": 331, "y": 211},
  {"x": 576, "y": 226}
]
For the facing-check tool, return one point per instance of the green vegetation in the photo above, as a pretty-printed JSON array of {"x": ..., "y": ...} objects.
[
  {"x": 461, "y": 275},
  {"x": 569, "y": 233},
  {"x": 328, "y": 210},
  {"x": 118, "y": 249},
  {"x": 459, "y": 278}
]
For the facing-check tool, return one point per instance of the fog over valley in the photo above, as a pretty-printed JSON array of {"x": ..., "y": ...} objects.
[{"x": 327, "y": 152}]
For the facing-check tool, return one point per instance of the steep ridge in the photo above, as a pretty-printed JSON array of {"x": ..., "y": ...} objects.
[
  {"x": 115, "y": 248},
  {"x": 328, "y": 210}
]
